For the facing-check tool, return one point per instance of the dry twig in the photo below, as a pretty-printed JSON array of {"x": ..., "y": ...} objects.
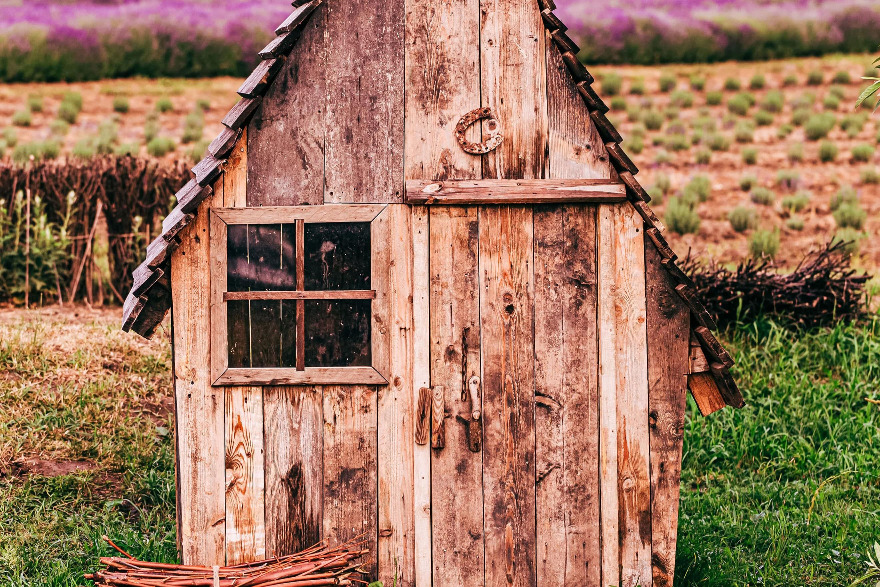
[
  {"x": 823, "y": 288},
  {"x": 318, "y": 566}
]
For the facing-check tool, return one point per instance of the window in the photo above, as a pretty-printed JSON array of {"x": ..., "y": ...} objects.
[{"x": 292, "y": 295}]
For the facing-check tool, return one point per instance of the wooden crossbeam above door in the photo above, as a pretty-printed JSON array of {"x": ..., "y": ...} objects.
[{"x": 514, "y": 191}]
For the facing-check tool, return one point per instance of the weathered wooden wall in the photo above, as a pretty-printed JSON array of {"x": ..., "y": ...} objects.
[{"x": 561, "y": 311}]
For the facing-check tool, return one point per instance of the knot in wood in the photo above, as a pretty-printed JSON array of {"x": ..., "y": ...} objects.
[{"x": 492, "y": 126}]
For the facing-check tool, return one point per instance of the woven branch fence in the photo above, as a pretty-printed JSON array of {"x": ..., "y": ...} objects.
[{"x": 75, "y": 230}]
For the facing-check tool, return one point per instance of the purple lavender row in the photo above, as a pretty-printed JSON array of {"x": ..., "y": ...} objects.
[
  {"x": 48, "y": 41},
  {"x": 688, "y": 31}
]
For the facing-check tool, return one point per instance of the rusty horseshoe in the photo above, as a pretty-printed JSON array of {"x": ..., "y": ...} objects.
[{"x": 492, "y": 126}]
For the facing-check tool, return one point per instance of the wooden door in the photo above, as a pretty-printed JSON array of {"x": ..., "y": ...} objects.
[{"x": 513, "y": 339}]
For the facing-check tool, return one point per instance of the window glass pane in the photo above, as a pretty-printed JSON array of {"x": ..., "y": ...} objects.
[
  {"x": 260, "y": 257},
  {"x": 337, "y": 333},
  {"x": 238, "y": 331},
  {"x": 261, "y": 333},
  {"x": 337, "y": 256}
]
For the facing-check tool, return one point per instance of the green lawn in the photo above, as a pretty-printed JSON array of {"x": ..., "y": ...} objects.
[
  {"x": 783, "y": 492},
  {"x": 78, "y": 389},
  {"x": 787, "y": 490}
]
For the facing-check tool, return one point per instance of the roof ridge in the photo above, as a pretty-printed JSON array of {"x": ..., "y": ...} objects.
[{"x": 639, "y": 198}]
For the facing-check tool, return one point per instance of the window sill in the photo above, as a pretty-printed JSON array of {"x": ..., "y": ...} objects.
[{"x": 310, "y": 376}]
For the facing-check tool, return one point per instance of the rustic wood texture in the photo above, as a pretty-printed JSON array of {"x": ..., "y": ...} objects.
[
  {"x": 575, "y": 148},
  {"x": 513, "y": 84},
  {"x": 423, "y": 416},
  {"x": 293, "y": 423},
  {"x": 668, "y": 324},
  {"x": 289, "y": 214},
  {"x": 507, "y": 334},
  {"x": 199, "y": 408},
  {"x": 442, "y": 56},
  {"x": 456, "y": 473},
  {"x": 396, "y": 406},
  {"x": 363, "y": 148},
  {"x": 438, "y": 416},
  {"x": 705, "y": 392},
  {"x": 341, "y": 294},
  {"x": 350, "y": 481},
  {"x": 244, "y": 451},
  {"x": 245, "y": 482},
  {"x": 623, "y": 399},
  {"x": 308, "y": 376},
  {"x": 512, "y": 191},
  {"x": 421, "y": 380},
  {"x": 697, "y": 362},
  {"x": 292, "y": 118},
  {"x": 566, "y": 389},
  {"x": 219, "y": 352}
]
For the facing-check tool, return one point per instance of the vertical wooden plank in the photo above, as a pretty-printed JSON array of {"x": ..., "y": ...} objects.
[
  {"x": 668, "y": 345},
  {"x": 294, "y": 471},
  {"x": 566, "y": 389},
  {"x": 291, "y": 119},
  {"x": 575, "y": 147},
  {"x": 350, "y": 436},
  {"x": 513, "y": 84},
  {"x": 245, "y": 473},
  {"x": 442, "y": 56},
  {"x": 396, "y": 409},
  {"x": 421, "y": 378},
  {"x": 625, "y": 490},
  {"x": 567, "y": 439},
  {"x": 200, "y": 408},
  {"x": 363, "y": 159},
  {"x": 456, "y": 473},
  {"x": 245, "y": 506},
  {"x": 507, "y": 332}
]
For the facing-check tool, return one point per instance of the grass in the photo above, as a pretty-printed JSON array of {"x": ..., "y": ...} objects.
[
  {"x": 783, "y": 492},
  {"x": 79, "y": 390}
]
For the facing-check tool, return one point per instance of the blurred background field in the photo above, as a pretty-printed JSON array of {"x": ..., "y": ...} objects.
[
  {"x": 73, "y": 40},
  {"x": 700, "y": 31}
]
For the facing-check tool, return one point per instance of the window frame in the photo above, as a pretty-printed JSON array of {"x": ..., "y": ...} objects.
[{"x": 220, "y": 218}]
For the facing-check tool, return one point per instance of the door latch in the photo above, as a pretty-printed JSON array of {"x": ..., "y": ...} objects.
[{"x": 475, "y": 423}]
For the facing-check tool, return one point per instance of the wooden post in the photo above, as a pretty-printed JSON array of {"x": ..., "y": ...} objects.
[{"x": 27, "y": 236}]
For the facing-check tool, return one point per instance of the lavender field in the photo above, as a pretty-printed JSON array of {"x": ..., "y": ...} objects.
[
  {"x": 703, "y": 31},
  {"x": 51, "y": 40},
  {"x": 78, "y": 40}
]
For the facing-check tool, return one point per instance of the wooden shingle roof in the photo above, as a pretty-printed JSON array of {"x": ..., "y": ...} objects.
[{"x": 149, "y": 299}]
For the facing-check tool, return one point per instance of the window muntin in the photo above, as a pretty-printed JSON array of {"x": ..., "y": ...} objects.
[{"x": 291, "y": 298}]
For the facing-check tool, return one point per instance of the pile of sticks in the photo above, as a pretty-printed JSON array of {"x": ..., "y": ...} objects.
[
  {"x": 822, "y": 289},
  {"x": 317, "y": 566}
]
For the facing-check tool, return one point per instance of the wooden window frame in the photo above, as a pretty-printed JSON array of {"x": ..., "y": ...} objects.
[{"x": 221, "y": 373}]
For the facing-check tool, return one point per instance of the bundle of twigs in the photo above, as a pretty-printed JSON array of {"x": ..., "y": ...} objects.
[
  {"x": 317, "y": 566},
  {"x": 823, "y": 288}
]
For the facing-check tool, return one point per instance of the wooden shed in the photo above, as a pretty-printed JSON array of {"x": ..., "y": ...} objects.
[{"x": 418, "y": 295}]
